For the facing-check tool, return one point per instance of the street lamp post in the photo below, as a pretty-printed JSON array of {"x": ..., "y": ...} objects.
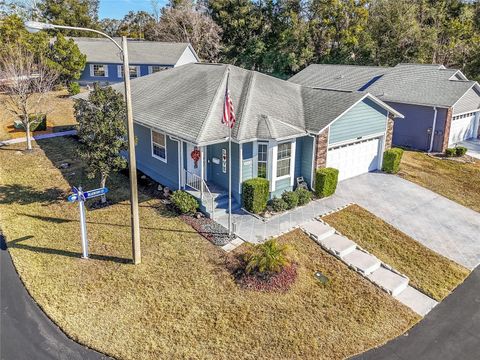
[{"x": 34, "y": 26}]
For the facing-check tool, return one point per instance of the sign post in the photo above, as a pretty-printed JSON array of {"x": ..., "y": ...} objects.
[
  {"x": 80, "y": 196},
  {"x": 83, "y": 223}
]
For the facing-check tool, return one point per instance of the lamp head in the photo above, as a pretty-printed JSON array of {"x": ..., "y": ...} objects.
[{"x": 35, "y": 26}]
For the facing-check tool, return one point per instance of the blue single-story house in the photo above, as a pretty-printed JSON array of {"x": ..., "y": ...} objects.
[
  {"x": 104, "y": 65},
  {"x": 441, "y": 106},
  {"x": 283, "y": 131}
]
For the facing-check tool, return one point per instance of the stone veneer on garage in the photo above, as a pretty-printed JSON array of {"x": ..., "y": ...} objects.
[
  {"x": 446, "y": 132},
  {"x": 321, "y": 149}
]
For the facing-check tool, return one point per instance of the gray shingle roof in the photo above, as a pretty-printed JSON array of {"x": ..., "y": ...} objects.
[
  {"x": 187, "y": 102},
  {"x": 405, "y": 83},
  {"x": 140, "y": 52}
]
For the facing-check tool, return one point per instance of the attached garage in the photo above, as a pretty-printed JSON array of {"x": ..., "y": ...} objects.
[
  {"x": 463, "y": 127},
  {"x": 356, "y": 139},
  {"x": 356, "y": 158}
]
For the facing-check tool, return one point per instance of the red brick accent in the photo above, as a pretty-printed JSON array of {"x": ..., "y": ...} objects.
[
  {"x": 321, "y": 149},
  {"x": 389, "y": 136},
  {"x": 446, "y": 129}
]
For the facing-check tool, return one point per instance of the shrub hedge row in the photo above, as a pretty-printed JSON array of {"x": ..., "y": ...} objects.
[
  {"x": 391, "y": 160},
  {"x": 326, "y": 180},
  {"x": 255, "y": 194}
]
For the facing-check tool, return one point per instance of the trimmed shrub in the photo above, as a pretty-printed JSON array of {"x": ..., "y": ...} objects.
[
  {"x": 278, "y": 204},
  {"x": 304, "y": 196},
  {"x": 290, "y": 198},
  {"x": 460, "y": 150},
  {"x": 255, "y": 194},
  {"x": 326, "y": 180},
  {"x": 391, "y": 160},
  {"x": 450, "y": 152},
  {"x": 268, "y": 257},
  {"x": 184, "y": 202},
  {"x": 73, "y": 88}
]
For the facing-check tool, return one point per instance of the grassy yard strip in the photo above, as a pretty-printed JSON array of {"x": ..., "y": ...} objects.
[
  {"x": 181, "y": 301},
  {"x": 428, "y": 271},
  {"x": 455, "y": 180}
]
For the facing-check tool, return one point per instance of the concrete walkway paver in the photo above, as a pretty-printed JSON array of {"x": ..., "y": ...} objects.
[
  {"x": 38, "y": 137},
  {"x": 473, "y": 146}
]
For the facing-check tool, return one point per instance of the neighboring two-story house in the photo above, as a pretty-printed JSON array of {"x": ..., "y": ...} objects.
[
  {"x": 104, "y": 64},
  {"x": 441, "y": 106}
]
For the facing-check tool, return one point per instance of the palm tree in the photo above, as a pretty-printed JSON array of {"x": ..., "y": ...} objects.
[{"x": 268, "y": 257}]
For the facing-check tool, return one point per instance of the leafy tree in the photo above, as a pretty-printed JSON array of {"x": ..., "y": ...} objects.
[
  {"x": 102, "y": 132},
  {"x": 242, "y": 35},
  {"x": 80, "y": 13},
  {"x": 136, "y": 24},
  {"x": 337, "y": 26},
  {"x": 25, "y": 83},
  {"x": 110, "y": 26},
  {"x": 14, "y": 34},
  {"x": 65, "y": 57},
  {"x": 183, "y": 21}
]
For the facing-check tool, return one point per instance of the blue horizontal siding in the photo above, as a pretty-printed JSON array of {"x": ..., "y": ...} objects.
[
  {"x": 306, "y": 159},
  {"x": 112, "y": 73},
  {"x": 216, "y": 175},
  {"x": 281, "y": 186},
  {"x": 365, "y": 118},
  {"x": 164, "y": 173}
]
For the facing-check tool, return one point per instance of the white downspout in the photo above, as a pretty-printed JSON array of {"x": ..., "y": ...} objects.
[
  {"x": 180, "y": 159},
  {"x": 312, "y": 173},
  {"x": 432, "y": 137}
]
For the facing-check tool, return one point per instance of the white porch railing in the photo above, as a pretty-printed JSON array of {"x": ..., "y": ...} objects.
[{"x": 196, "y": 183}]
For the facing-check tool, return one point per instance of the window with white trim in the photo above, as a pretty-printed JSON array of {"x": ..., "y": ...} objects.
[
  {"x": 284, "y": 157},
  {"x": 157, "y": 68},
  {"x": 159, "y": 145},
  {"x": 99, "y": 70},
  {"x": 262, "y": 160},
  {"x": 134, "y": 71}
]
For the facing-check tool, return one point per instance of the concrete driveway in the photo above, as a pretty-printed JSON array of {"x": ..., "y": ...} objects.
[
  {"x": 473, "y": 146},
  {"x": 440, "y": 224}
]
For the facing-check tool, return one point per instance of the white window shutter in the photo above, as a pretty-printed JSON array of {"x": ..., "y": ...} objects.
[
  {"x": 150, "y": 70},
  {"x": 91, "y": 70},
  {"x": 106, "y": 70},
  {"x": 138, "y": 71},
  {"x": 119, "y": 71}
]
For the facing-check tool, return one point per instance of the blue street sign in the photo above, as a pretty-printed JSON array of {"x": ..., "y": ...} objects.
[
  {"x": 94, "y": 193},
  {"x": 86, "y": 194}
]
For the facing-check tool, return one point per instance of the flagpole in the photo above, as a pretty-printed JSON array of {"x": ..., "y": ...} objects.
[{"x": 229, "y": 171}]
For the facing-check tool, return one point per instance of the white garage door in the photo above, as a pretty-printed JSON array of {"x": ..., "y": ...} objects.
[
  {"x": 355, "y": 158},
  {"x": 462, "y": 128}
]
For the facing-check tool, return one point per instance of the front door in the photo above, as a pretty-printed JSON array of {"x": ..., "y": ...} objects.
[{"x": 193, "y": 167}]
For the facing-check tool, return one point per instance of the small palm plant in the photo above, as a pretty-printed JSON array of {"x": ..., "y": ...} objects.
[{"x": 268, "y": 257}]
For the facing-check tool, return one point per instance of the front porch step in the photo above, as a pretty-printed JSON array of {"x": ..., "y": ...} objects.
[
  {"x": 340, "y": 245},
  {"x": 318, "y": 230}
]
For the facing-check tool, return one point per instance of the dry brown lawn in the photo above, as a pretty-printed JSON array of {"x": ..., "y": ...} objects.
[
  {"x": 59, "y": 109},
  {"x": 431, "y": 273},
  {"x": 181, "y": 302},
  {"x": 455, "y": 180}
]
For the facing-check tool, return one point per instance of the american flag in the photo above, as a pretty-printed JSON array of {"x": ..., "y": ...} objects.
[{"x": 228, "y": 112}]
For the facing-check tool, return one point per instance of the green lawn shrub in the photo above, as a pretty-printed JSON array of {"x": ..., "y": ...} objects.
[
  {"x": 291, "y": 198},
  {"x": 391, "y": 160},
  {"x": 184, "y": 202},
  {"x": 326, "y": 180},
  {"x": 255, "y": 194},
  {"x": 460, "y": 150},
  {"x": 451, "y": 152},
  {"x": 73, "y": 88},
  {"x": 277, "y": 204},
  {"x": 268, "y": 257},
  {"x": 304, "y": 196}
]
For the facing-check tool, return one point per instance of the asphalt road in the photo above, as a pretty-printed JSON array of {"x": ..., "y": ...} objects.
[
  {"x": 26, "y": 333},
  {"x": 451, "y": 331}
]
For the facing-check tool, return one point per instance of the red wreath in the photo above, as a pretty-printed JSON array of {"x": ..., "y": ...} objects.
[{"x": 195, "y": 156}]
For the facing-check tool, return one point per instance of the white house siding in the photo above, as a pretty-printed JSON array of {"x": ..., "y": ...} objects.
[{"x": 187, "y": 57}]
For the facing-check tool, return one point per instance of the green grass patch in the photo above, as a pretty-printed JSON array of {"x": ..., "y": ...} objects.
[
  {"x": 456, "y": 180},
  {"x": 431, "y": 273}
]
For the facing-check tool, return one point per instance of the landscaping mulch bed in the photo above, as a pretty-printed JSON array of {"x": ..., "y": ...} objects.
[
  {"x": 276, "y": 282},
  {"x": 209, "y": 229}
]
